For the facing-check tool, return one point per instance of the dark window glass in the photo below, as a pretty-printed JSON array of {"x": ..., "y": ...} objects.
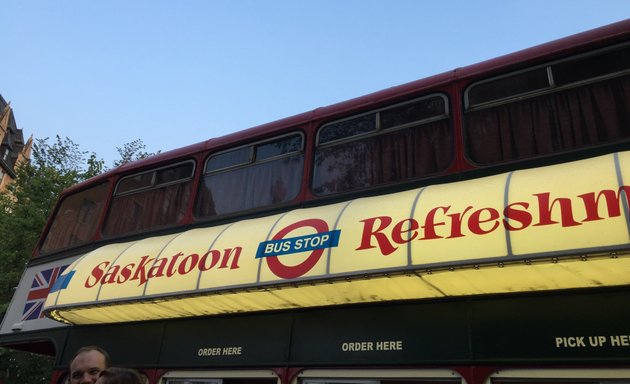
[
  {"x": 413, "y": 112},
  {"x": 141, "y": 181},
  {"x": 555, "y": 381},
  {"x": 148, "y": 209},
  {"x": 273, "y": 177},
  {"x": 174, "y": 174},
  {"x": 592, "y": 66},
  {"x": 229, "y": 380},
  {"x": 347, "y": 128},
  {"x": 411, "y": 142},
  {"x": 415, "y": 380},
  {"x": 229, "y": 159},
  {"x": 76, "y": 220},
  {"x": 508, "y": 87},
  {"x": 280, "y": 147},
  {"x": 245, "y": 188},
  {"x": 591, "y": 115},
  {"x": 163, "y": 203},
  {"x": 389, "y": 158},
  {"x": 440, "y": 380}
]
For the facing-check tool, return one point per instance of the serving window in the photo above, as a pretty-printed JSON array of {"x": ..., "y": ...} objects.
[
  {"x": 379, "y": 376},
  {"x": 220, "y": 377},
  {"x": 560, "y": 376}
]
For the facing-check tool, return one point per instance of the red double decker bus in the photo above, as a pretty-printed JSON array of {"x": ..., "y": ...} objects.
[{"x": 471, "y": 227}]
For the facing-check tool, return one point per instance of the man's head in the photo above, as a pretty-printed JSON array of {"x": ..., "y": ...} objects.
[{"x": 87, "y": 364}]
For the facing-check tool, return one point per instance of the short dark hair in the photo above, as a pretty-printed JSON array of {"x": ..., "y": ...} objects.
[
  {"x": 92, "y": 348},
  {"x": 116, "y": 375}
]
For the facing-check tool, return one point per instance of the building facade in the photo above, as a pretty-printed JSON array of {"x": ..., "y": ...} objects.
[{"x": 13, "y": 149}]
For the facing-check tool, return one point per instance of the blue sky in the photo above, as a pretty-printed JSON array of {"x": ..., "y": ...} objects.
[{"x": 172, "y": 73}]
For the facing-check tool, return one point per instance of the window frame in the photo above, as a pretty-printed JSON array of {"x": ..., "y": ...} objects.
[
  {"x": 153, "y": 185},
  {"x": 104, "y": 229},
  {"x": 561, "y": 375},
  {"x": 597, "y": 75},
  {"x": 378, "y": 128},
  {"x": 57, "y": 215},
  {"x": 252, "y": 153},
  {"x": 552, "y": 86},
  {"x": 301, "y": 152},
  {"x": 340, "y": 376},
  {"x": 217, "y": 375},
  {"x": 445, "y": 115}
]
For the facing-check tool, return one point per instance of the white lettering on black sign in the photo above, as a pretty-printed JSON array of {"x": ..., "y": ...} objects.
[
  {"x": 620, "y": 341},
  {"x": 370, "y": 346},
  {"x": 597, "y": 341},
  {"x": 220, "y": 351}
]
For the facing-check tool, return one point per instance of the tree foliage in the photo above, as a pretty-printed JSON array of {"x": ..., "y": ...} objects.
[
  {"x": 30, "y": 199},
  {"x": 134, "y": 150},
  {"x": 24, "y": 210},
  {"x": 18, "y": 367}
]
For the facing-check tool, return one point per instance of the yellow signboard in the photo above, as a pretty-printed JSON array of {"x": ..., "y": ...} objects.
[{"x": 395, "y": 246}]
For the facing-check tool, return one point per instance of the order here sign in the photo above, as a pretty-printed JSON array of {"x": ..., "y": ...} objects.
[{"x": 555, "y": 211}]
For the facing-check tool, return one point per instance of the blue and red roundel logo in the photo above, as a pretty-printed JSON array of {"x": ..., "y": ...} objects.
[{"x": 281, "y": 245}]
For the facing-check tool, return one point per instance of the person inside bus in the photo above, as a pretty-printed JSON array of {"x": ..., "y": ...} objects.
[
  {"x": 117, "y": 375},
  {"x": 87, "y": 364}
]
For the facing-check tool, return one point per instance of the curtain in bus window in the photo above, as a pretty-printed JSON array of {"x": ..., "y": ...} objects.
[
  {"x": 154, "y": 208},
  {"x": 391, "y": 157},
  {"x": 250, "y": 187},
  {"x": 76, "y": 220},
  {"x": 72, "y": 227},
  {"x": 586, "y": 116}
]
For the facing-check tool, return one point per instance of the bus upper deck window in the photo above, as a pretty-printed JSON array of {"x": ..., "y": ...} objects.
[
  {"x": 347, "y": 128},
  {"x": 592, "y": 66},
  {"x": 151, "y": 199},
  {"x": 250, "y": 177},
  {"x": 76, "y": 219},
  {"x": 391, "y": 145},
  {"x": 229, "y": 159},
  {"x": 134, "y": 183},
  {"x": 508, "y": 87},
  {"x": 583, "y": 106},
  {"x": 279, "y": 148},
  {"x": 421, "y": 110}
]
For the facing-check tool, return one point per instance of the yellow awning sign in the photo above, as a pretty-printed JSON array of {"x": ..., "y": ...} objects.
[{"x": 520, "y": 231}]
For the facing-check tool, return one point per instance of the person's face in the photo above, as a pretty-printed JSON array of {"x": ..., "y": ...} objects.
[{"x": 86, "y": 367}]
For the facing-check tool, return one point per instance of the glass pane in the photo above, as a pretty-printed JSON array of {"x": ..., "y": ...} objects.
[
  {"x": 76, "y": 219},
  {"x": 347, "y": 128},
  {"x": 508, "y": 87},
  {"x": 413, "y": 112},
  {"x": 229, "y": 159},
  {"x": 389, "y": 158},
  {"x": 173, "y": 174},
  {"x": 422, "y": 381},
  {"x": 246, "y": 188},
  {"x": 132, "y": 183},
  {"x": 593, "y": 115},
  {"x": 149, "y": 209},
  {"x": 236, "y": 380},
  {"x": 592, "y": 66},
  {"x": 193, "y": 381},
  {"x": 280, "y": 147},
  {"x": 344, "y": 167},
  {"x": 549, "y": 381}
]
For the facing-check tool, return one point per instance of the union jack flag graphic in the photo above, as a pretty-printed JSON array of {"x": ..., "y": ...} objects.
[{"x": 42, "y": 283}]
